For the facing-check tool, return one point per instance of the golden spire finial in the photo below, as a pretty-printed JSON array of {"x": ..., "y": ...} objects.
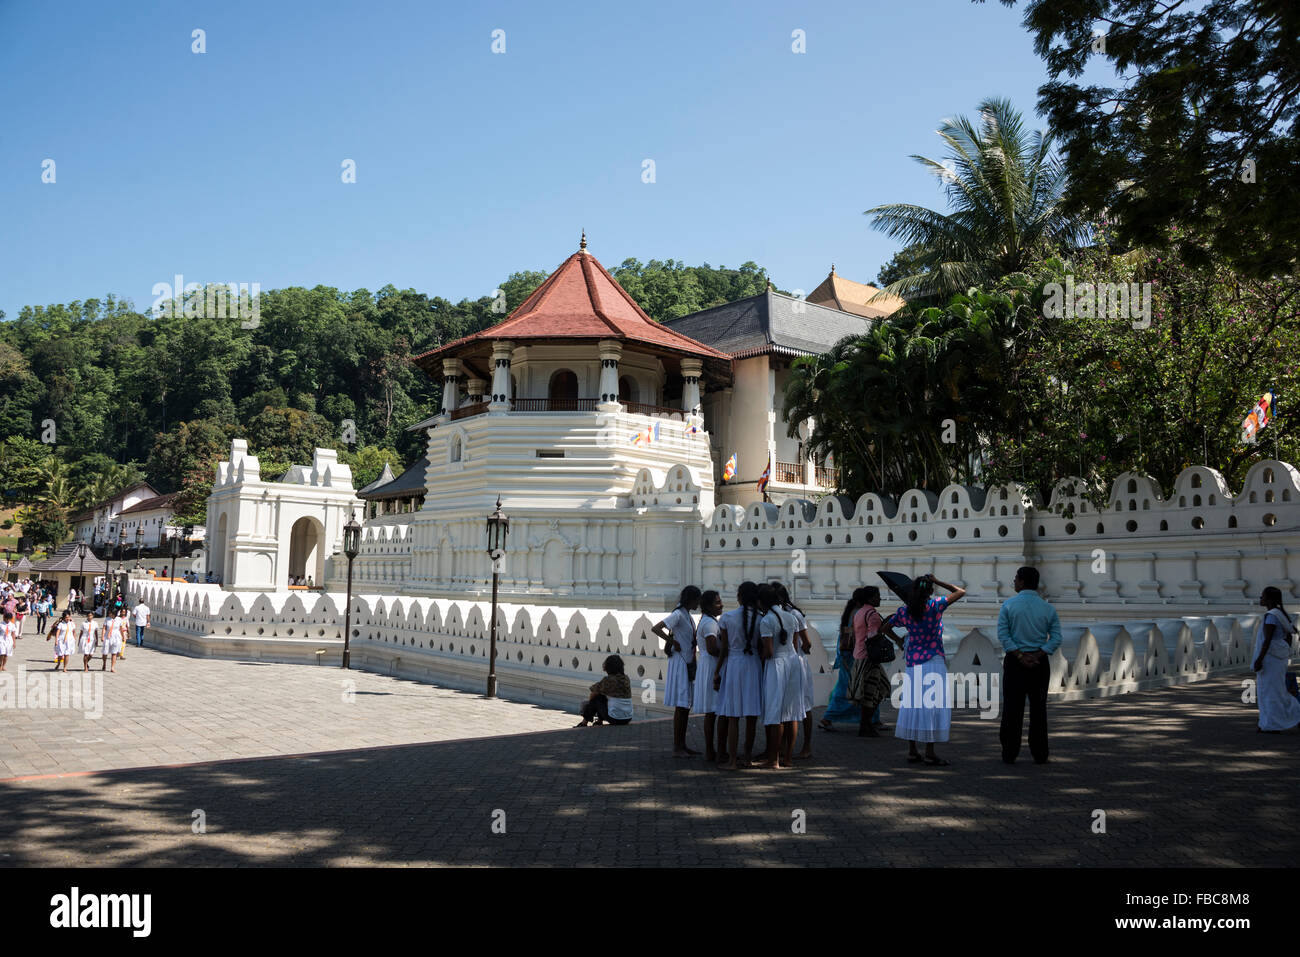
[
  {"x": 832, "y": 269},
  {"x": 583, "y": 245}
]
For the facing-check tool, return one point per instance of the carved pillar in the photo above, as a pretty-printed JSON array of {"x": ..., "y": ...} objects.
[
  {"x": 501, "y": 393},
  {"x": 451, "y": 370},
  {"x": 611, "y": 351},
  {"x": 475, "y": 389},
  {"x": 691, "y": 370}
]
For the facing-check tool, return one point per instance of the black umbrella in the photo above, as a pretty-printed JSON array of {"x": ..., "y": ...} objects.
[{"x": 899, "y": 584}]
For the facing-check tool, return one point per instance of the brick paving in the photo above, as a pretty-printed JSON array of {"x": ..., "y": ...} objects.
[{"x": 1182, "y": 775}]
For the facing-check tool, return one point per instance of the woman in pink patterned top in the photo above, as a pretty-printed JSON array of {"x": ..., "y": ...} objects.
[{"x": 925, "y": 713}]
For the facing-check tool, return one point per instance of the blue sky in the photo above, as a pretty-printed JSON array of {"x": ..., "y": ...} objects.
[{"x": 226, "y": 166}]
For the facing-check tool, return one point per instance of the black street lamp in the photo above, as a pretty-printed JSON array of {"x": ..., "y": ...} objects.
[
  {"x": 174, "y": 543},
  {"x": 351, "y": 546},
  {"x": 121, "y": 549},
  {"x": 81, "y": 572},
  {"x": 498, "y": 527},
  {"x": 139, "y": 541}
]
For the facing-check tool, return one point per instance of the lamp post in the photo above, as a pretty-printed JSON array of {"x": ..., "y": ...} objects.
[
  {"x": 498, "y": 527},
  {"x": 351, "y": 546},
  {"x": 174, "y": 543},
  {"x": 81, "y": 572},
  {"x": 139, "y": 541},
  {"x": 121, "y": 549}
]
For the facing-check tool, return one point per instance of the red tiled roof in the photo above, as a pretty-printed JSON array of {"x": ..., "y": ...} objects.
[
  {"x": 581, "y": 300},
  {"x": 150, "y": 504}
]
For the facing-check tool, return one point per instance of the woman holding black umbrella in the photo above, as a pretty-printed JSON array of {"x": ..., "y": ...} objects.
[{"x": 926, "y": 711}]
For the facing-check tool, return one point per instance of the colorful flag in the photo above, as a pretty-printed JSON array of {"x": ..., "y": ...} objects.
[
  {"x": 765, "y": 477},
  {"x": 1260, "y": 416},
  {"x": 729, "y": 470}
]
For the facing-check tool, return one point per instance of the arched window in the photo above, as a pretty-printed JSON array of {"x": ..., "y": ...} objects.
[
  {"x": 563, "y": 391},
  {"x": 627, "y": 391},
  {"x": 457, "y": 448}
]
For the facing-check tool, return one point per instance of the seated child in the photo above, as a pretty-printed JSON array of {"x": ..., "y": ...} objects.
[{"x": 611, "y": 697}]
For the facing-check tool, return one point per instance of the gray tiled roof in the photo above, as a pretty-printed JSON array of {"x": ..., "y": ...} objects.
[
  {"x": 770, "y": 321},
  {"x": 410, "y": 482}
]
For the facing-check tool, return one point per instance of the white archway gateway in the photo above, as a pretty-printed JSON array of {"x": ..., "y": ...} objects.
[
  {"x": 307, "y": 550},
  {"x": 269, "y": 531}
]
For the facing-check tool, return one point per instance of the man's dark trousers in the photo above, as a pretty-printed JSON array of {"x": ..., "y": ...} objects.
[{"x": 1019, "y": 682}]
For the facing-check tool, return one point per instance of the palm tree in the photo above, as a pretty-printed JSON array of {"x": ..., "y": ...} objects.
[{"x": 1006, "y": 188}]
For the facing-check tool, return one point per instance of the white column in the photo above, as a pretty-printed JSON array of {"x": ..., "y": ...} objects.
[
  {"x": 501, "y": 396},
  {"x": 611, "y": 351},
  {"x": 451, "y": 369},
  {"x": 475, "y": 389},
  {"x": 691, "y": 370}
]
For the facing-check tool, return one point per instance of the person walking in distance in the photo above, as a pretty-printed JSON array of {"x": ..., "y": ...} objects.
[
  {"x": 1030, "y": 632},
  {"x": 141, "y": 614}
]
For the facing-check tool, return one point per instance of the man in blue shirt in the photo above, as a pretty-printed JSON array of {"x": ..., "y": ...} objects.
[{"x": 1030, "y": 633}]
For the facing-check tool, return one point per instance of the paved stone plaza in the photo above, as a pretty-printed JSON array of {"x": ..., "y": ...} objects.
[{"x": 289, "y": 768}]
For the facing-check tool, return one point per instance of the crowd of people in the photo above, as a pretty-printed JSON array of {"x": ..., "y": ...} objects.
[
  {"x": 103, "y": 629},
  {"x": 750, "y": 663}
]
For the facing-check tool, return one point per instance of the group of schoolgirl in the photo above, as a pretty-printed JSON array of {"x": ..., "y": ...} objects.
[
  {"x": 68, "y": 638},
  {"x": 749, "y": 662}
]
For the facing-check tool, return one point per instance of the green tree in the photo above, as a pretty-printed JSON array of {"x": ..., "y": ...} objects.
[
  {"x": 1198, "y": 142},
  {"x": 1005, "y": 188}
]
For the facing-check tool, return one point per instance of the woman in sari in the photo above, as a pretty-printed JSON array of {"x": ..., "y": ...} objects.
[
  {"x": 840, "y": 708},
  {"x": 1278, "y": 710}
]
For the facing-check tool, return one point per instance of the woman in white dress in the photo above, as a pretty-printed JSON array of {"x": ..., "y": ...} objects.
[
  {"x": 740, "y": 675},
  {"x": 802, "y": 648},
  {"x": 88, "y": 639},
  {"x": 6, "y": 639},
  {"x": 677, "y": 632},
  {"x": 64, "y": 634},
  {"x": 782, "y": 679},
  {"x": 114, "y": 631},
  {"x": 709, "y": 636},
  {"x": 1278, "y": 710}
]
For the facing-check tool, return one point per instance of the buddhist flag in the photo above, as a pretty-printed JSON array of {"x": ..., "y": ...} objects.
[
  {"x": 1260, "y": 416},
  {"x": 765, "y": 477},
  {"x": 729, "y": 470},
  {"x": 647, "y": 435}
]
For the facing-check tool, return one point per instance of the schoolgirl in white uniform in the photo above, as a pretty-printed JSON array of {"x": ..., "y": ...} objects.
[
  {"x": 115, "y": 629},
  {"x": 709, "y": 635},
  {"x": 782, "y": 678},
  {"x": 677, "y": 632},
  {"x": 802, "y": 648},
  {"x": 6, "y": 639},
  {"x": 88, "y": 639},
  {"x": 64, "y": 634},
  {"x": 740, "y": 674}
]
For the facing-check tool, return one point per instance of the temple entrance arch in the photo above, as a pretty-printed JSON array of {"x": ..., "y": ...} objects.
[{"x": 307, "y": 550}]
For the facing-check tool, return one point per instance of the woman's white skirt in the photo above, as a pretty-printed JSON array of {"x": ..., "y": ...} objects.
[
  {"x": 6, "y": 645},
  {"x": 62, "y": 647},
  {"x": 782, "y": 690},
  {"x": 925, "y": 712},
  {"x": 86, "y": 644},
  {"x": 809, "y": 701},
  {"x": 677, "y": 686},
  {"x": 113, "y": 644},
  {"x": 706, "y": 698},
  {"x": 1278, "y": 710},
  {"x": 741, "y": 693}
]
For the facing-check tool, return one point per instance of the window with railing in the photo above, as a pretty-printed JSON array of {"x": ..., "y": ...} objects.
[{"x": 828, "y": 477}]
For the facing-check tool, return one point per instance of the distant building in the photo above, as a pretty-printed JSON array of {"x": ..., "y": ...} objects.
[
  {"x": 855, "y": 297},
  {"x": 100, "y": 523},
  {"x": 764, "y": 334},
  {"x": 396, "y": 496},
  {"x": 156, "y": 517}
]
